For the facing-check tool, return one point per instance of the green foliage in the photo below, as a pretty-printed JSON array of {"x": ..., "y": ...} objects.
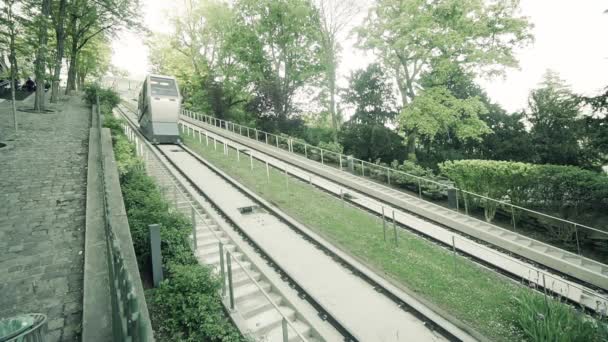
[
  {"x": 372, "y": 95},
  {"x": 186, "y": 307},
  {"x": 278, "y": 42},
  {"x": 371, "y": 142},
  {"x": 564, "y": 190},
  {"x": 555, "y": 130},
  {"x": 544, "y": 319},
  {"x": 435, "y": 110},
  {"x": 108, "y": 98}
]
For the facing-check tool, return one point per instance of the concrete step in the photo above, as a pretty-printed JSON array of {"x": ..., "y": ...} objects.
[
  {"x": 255, "y": 305},
  {"x": 242, "y": 278},
  {"x": 250, "y": 290},
  {"x": 276, "y": 334},
  {"x": 267, "y": 320}
]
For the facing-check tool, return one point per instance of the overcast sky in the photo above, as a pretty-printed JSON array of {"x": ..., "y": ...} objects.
[{"x": 570, "y": 38}]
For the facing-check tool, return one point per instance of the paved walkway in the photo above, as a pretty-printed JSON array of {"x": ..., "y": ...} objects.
[{"x": 42, "y": 214}]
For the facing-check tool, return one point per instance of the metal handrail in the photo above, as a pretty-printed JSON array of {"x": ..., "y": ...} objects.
[
  {"x": 194, "y": 116},
  {"x": 219, "y": 240}
]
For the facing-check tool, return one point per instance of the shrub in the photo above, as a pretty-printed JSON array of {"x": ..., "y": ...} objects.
[
  {"x": 107, "y": 97},
  {"x": 545, "y": 319},
  {"x": 567, "y": 190},
  {"x": 186, "y": 307}
]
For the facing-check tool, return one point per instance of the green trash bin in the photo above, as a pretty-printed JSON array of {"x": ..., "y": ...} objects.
[{"x": 23, "y": 328}]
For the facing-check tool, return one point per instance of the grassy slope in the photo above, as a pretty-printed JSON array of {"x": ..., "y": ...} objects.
[{"x": 479, "y": 297}]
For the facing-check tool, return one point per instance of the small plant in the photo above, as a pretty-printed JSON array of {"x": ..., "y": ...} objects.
[{"x": 544, "y": 319}]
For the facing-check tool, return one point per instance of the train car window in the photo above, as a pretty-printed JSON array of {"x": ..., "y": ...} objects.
[{"x": 163, "y": 87}]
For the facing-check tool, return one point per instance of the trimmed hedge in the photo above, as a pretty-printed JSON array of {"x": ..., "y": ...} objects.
[
  {"x": 567, "y": 191},
  {"x": 186, "y": 306}
]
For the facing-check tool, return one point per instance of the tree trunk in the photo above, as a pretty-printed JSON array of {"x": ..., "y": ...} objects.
[
  {"x": 60, "y": 33},
  {"x": 411, "y": 145},
  {"x": 41, "y": 55},
  {"x": 71, "y": 85},
  {"x": 12, "y": 57},
  {"x": 332, "y": 99}
]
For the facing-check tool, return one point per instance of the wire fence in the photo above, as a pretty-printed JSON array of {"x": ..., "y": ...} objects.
[{"x": 571, "y": 236}]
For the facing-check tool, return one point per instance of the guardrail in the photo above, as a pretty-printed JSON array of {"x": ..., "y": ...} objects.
[
  {"x": 197, "y": 217},
  {"x": 130, "y": 318},
  {"x": 568, "y": 232}
]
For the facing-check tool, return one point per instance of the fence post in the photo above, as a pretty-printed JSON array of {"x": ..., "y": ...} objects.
[
  {"x": 157, "y": 258},
  {"x": 266, "y": 137},
  {"x": 340, "y": 157},
  {"x": 247, "y": 132},
  {"x": 230, "y": 287},
  {"x": 256, "y": 134},
  {"x": 251, "y": 160},
  {"x": 222, "y": 271},
  {"x": 419, "y": 189},
  {"x": 384, "y": 224},
  {"x": 175, "y": 198},
  {"x": 285, "y": 332},
  {"x": 207, "y": 138},
  {"x": 454, "y": 251},
  {"x": 395, "y": 229},
  {"x": 193, "y": 214},
  {"x": 362, "y": 169},
  {"x": 276, "y": 139},
  {"x": 214, "y": 143},
  {"x": 388, "y": 176},
  {"x": 322, "y": 157},
  {"x": 238, "y": 155},
  {"x": 267, "y": 172},
  {"x": 578, "y": 246}
]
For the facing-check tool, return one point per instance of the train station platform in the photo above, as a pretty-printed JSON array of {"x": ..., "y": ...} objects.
[{"x": 43, "y": 184}]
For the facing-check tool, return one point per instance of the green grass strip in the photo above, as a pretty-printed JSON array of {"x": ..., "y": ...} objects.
[{"x": 480, "y": 298}]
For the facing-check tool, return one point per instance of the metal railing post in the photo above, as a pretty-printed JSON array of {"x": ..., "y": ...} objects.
[
  {"x": 454, "y": 251},
  {"x": 340, "y": 157},
  {"x": 384, "y": 224},
  {"x": 285, "y": 332},
  {"x": 267, "y": 172},
  {"x": 578, "y": 246},
  {"x": 222, "y": 271},
  {"x": 395, "y": 229},
  {"x": 230, "y": 287},
  {"x": 388, "y": 176},
  {"x": 305, "y": 152},
  {"x": 193, "y": 215},
  {"x": 322, "y": 157}
]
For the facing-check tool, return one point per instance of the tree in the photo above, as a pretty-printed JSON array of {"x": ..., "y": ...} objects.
[
  {"x": 58, "y": 17},
  {"x": 335, "y": 15},
  {"x": 10, "y": 20},
  {"x": 40, "y": 63},
  {"x": 89, "y": 18},
  {"x": 372, "y": 95},
  {"x": 413, "y": 36},
  {"x": 365, "y": 135},
  {"x": 553, "y": 113},
  {"x": 278, "y": 42},
  {"x": 199, "y": 54}
]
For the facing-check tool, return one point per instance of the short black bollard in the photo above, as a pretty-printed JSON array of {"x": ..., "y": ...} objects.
[{"x": 157, "y": 258}]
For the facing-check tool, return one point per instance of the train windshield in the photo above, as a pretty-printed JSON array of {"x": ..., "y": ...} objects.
[{"x": 163, "y": 87}]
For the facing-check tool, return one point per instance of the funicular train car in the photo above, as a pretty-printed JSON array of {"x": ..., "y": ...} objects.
[{"x": 158, "y": 107}]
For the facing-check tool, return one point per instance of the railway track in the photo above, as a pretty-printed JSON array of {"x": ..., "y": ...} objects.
[
  {"x": 519, "y": 266},
  {"x": 278, "y": 263}
]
